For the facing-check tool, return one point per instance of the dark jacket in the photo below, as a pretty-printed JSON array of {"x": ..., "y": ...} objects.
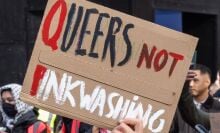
[
  {"x": 211, "y": 105},
  {"x": 187, "y": 115},
  {"x": 24, "y": 122}
]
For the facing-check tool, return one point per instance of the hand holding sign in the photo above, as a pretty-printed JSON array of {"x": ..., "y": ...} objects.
[{"x": 129, "y": 126}]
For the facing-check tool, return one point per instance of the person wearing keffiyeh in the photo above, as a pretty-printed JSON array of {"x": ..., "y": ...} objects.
[{"x": 17, "y": 116}]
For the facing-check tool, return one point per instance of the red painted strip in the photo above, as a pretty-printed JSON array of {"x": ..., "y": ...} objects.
[{"x": 38, "y": 75}]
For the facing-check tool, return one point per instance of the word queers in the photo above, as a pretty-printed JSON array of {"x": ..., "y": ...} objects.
[
  {"x": 65, "y": 90},
  {"x": 153, "y": 57}
]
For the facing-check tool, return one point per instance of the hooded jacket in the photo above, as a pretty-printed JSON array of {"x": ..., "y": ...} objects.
[{"x": 25, "y": 115}]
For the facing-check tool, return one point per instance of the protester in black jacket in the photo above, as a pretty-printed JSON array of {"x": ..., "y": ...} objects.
[
  {"x": 18, "y": 117},
  {"x": 196, "y": 95}
]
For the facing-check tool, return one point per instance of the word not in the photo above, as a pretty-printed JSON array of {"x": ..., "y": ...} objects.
[
  {"x": 78, "y": 15},
  {"x": 159, "y": 59},
  {"x": 115, "y": 26},
  {"x": 65, "y": 90}
]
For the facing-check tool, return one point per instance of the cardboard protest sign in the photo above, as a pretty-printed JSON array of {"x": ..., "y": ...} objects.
[
  {"x": 214, "y": 122},
  {"x": 99, "y": 66}
]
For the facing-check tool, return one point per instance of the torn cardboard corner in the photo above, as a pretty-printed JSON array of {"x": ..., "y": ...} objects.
[{"x": 99, "y": 66}]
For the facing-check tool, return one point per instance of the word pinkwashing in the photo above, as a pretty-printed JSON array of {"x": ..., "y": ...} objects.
[{"x": 68, "y": 87}]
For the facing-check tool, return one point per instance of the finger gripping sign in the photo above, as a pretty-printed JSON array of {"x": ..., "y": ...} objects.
[{"x": 99, "y": 66}]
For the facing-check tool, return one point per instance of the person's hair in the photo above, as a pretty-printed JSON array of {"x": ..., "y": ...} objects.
[
  {"x": 202, "y": 68},
  {"x": 4, "y": 90}
]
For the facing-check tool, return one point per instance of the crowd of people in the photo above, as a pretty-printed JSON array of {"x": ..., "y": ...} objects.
[{"x": 199, "y": 98}]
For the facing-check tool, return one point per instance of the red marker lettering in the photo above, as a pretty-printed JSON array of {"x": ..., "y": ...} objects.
[
  {"x": 52, "y": 41},
  {"x": 176, "y": 57},
  {"x": 145, "y": 54},
  {"x": 38, "y": 75},
  {"x": 159, "y": 59},
  {"x": 160, "y": 66}
]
